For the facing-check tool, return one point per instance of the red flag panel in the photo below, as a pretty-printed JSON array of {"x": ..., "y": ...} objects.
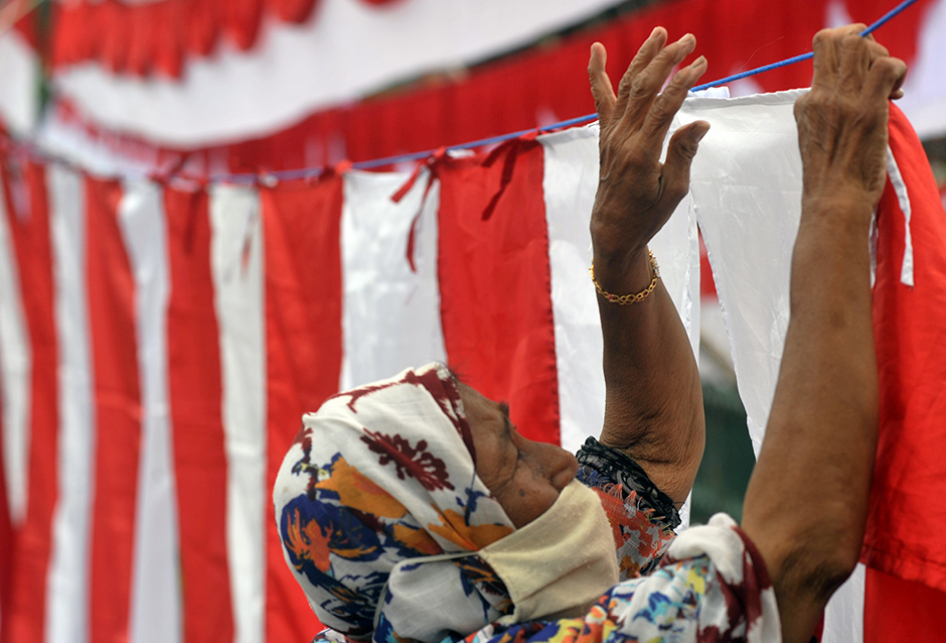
[
  {"x": 6, "y": 539},
  {"x": 908, "y": 495},
  {"x": 901, "y": 610},
  {"x": 304, "y": 353},
  {"x": 30, "y": 234},
  {"x": 495, "y": 283},
  {"x": 117, "y": 404},
  {"x": 195, "y": 395}
]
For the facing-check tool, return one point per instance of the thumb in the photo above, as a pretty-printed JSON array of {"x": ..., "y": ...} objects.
[{"x": 680, "y": 152}]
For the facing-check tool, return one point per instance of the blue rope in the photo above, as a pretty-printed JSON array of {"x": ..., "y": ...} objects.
[{"x": 757, "y": 70}]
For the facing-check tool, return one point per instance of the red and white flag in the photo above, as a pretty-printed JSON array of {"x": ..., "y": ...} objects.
[{"x": 159, "y": 344}]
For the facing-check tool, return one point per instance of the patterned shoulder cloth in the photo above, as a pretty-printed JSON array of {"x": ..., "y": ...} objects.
[
  {"x": 711, "y": 585},
  {"x": 642, "y": 516}
]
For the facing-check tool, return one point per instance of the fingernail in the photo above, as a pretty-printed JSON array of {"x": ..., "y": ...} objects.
[
  {"x": 654, "y": 32},
  {"x": 700, "y": 62},
  {"x": 698, "y": 136},
  {"x": 689, "y": 38}
]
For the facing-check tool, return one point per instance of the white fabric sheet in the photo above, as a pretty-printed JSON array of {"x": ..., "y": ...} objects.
[
  {"x": 19, "y": 83},
  {"x": 67, "y": 593},
  {"x": 746, "y": 189},
  {"x": 15, "y": 378},
  {"x": 156, "y": 599},
  {"x": 237, "y": 227},
  {"x": 391, "y": 315}
]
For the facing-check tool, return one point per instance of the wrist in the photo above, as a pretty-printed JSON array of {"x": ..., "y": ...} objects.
[
  {"x": 623, "y": 272},
  {"x": 846, "y": 206},
  {"x": 613, "y": 243}
]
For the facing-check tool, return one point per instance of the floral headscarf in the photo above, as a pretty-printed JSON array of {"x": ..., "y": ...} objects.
[{"x": 378, "y": 476}]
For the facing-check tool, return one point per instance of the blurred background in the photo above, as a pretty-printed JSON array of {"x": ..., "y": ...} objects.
[{"x": 209, "y": 89}]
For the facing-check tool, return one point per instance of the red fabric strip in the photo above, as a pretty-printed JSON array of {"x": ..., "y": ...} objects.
[
  {"x": 196, "y": 397},
  {"x": 495, "y": 285},
  {"x": 202, "y": 31},
  {"x": 901, "y": 610},
  {"x": 304, "y": 353},
  {"x": 25, "y": 619},
  {"x": 113, "y": 40},
  {"x": 117, "y": 404},
  {"x": 169, "y": 47},
  {"x": 241, "y": 19},
  {"x": 296, "y": 11},
  {"x": 6, "y": 542},
  {"x": 908, "y": 494}
]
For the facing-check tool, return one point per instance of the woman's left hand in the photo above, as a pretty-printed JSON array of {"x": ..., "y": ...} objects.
[{"x": 636, "y": 192}]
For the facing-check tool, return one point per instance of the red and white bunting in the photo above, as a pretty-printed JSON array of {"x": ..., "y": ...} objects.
[{"x": 292, "y": 94}]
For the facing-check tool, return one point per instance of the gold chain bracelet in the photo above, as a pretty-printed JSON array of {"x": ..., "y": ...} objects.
[{"x": 632, "y": 298}]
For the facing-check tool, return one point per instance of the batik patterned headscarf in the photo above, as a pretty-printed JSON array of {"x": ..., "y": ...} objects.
[{"x": 378, "y": 476}]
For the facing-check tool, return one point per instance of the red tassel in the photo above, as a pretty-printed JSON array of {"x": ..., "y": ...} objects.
[
  {"x": 515, "y": 146},
  {"x": 432, "y": 163}
]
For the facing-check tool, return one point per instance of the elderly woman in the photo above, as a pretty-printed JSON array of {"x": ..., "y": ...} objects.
[{"x": 411, "y": 509}]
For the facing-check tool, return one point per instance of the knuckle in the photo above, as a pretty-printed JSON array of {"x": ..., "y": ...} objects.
[
  {"x": 853, "y": 41},
  {"x": 823, "y": 37},
  {"x": 877, "y": 50},
  {"x": 799, "y": 108},
  {"x": 625, "y": 85},
  {"x": 687, "y": 149},
  {"x": 677, "y": 84},
  {"x": 661, "y": 105},
  {"x": 640, "y": 85}
]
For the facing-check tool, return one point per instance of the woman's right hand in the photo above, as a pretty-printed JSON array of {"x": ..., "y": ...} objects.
[{"x": 636, "y": 192}]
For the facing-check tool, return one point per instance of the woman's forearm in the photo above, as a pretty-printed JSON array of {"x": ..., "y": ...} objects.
[
  {"x": 654, "y": 401},
  {"x": 806, "y": 503}
]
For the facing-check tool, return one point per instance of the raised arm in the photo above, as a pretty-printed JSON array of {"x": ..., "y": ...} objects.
[
  {"x": 806, "y": 505},
  {"x": 654, "y": 405}
]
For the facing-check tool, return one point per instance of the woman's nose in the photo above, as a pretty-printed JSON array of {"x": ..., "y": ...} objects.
[{"x": 560, "y": 465}]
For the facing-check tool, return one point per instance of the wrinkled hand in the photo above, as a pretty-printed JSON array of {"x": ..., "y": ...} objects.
[
  {"x": 842, "y": 121},
  {"x": 636, "y": 192}
]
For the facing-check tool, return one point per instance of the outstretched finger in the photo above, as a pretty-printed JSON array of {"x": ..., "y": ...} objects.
[
  {"x": 651, "y": 47},
  {"x": 601, "y": 88},
  {"x": 665, "y": 107},
  {"x": 680, "y": 153},
  {"x": 648, "y": 83}
]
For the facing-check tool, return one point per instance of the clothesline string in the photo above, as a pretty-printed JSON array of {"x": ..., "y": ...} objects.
[
  {"x": 493, "y": 140},
  {"x": 311, "y": 172}
]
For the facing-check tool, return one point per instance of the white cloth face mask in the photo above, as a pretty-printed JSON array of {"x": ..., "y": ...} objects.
[
  {"x": 559, "y": 564},
  {"x": 556, "y": 566}
]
